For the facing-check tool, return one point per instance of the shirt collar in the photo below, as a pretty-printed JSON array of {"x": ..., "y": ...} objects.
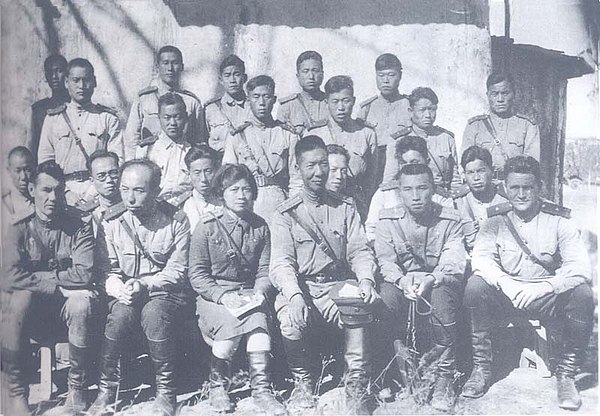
[
  {"x": 318, "y": 96},
  {"x": 163, "y": 88},
  {"x": 230, "y": 101},
  {"x": 166, "y": 142},
  {"x": 312, "y": 198},
  {"x": 419, "y": 131},
  {"x": 75, "y": 106},
  {"x": 260, "y": 124}
]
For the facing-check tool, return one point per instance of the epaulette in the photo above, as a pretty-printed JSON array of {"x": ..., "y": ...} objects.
[
  {"x": 499, "y": 209},
  {"x": 180, "y": 199},
  {"x": 148, "y": 90},
  {"x": 339, "y": 197},
  {"x": 392, "y": 213},
  {"x": 105, "y": 109},
  {"x": 402, "y": 132},
  {"x": 289, "y": 203},
  {"x": 389, "y": 185},
  {"x": 524, "y": 117},
  {"x": 171, "y": 210},
  {"x": 554, "y": 209},
  {"x": 212, "y": 101},
  {"x": 56, "y": 110},
  {"x": 22, "y": 217},
  {"x": 477, "y": 118},
  {"x": 114, "y": 211},
  {"x": 288, "y": 98},
  {"x": 317, "y": 124},
  {"x": 449, "y": 213},
  {"x": 241, "y": 128},
  {"x": 287, "y": 127},
  {"x": 443, "y": 130},
  {"x": 460, "y": 192},
  {"x": 211, "y": 216},
  {"x": 87, "y": 206},
  {"x": 443, "y": 192},
  {"x": 368, "y": 101},
  {"x": 365, "y": 123},
  {"x": 191, "y": 94},
  {"x": 148, "y": 140}
]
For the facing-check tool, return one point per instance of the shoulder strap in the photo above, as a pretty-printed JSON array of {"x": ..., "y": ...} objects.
[
  {"x": 136, "y": 241},
  {"x": 487, "y": 122},
  {"x": 246, "y": 145},
  {"x": 320, "y": 242},
  {"x": 233, "y": 252},
  {"x": 76, "y": 137},
  {"x": 220, "y": 107},
  {"x": 511, "y": 227},
  {"x": 288, "y": 98}
]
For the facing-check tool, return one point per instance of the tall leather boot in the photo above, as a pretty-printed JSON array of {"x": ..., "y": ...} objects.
[
  {"x": 481, "y": 376},
  {"x": 300, "y": 361},
  {"x": 105, "y": 403},
  {"x": 14, "y": 387},
  {"x": 163, "y": 357},
  {"x": 444, "y": 395},
  {"x": 358, "y": 371},
  {"x": 76, "y": 401},
  {"x": 219, "y": 381},
  {"x": 260, "y": 381}
]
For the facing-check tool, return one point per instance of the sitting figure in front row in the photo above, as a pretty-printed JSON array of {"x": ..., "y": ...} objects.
[{"x": 529, "y": 258}]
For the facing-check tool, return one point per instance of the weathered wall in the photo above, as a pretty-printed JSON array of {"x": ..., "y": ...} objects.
[{"x": 444, "y": 45}]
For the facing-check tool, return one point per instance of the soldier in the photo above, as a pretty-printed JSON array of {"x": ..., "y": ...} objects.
[
  {"x": 303, "y": 109},
  {"x": 168, "y": 148},
  {"x": 317, "y": 240},
  {"x": 353, "y": 135},
  {"x": 202, "y": 163},
  {"x": 529, "y": 259},
  {"x": 229, "y": 269},
  {"x": 266, "y": 146},
  {"x": 388, "y": 112},
  {"x": 503, "y": 132},
  {"x": 338, "y": 158},
  {"x": 16, "y": 201},
  {"x": 73, "y": 131},
  {"x": 55, "y": 71},
  {"x": 143, "y": 119},
  {"x": 229, "y": 111},
  {"x": 48, "y": 259},
  {"x": 147, "y": 249},
  {"x": 473, "y": 199},
  {"x": 419, "y": 246}
]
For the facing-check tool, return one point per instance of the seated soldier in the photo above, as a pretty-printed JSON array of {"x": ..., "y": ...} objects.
[
  {"x": 48, "y": 259},
  {"x": 317, "y": 240},
  {"x": 17, "y": 204},
  {"x": 419, "y": 246},
  {"x": 338, "y": 158},
  {"x": 229, "y": 268},
  {"x": 529, "y": 259},
  {"x": 146, "y": 248}
]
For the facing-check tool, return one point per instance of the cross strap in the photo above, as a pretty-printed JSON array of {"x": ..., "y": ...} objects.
[
  {"x": 487, "y": 122},
  {"x": 75, "y": 136},
  {"x": 234, "y": 252},
  {"x": 136, "y": 241},
  {"x": 549, "y": 267}
]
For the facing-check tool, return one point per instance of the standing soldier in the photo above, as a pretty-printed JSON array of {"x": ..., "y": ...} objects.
[
  {"x": 303, "y": 109},
  {"x": 317, "y": 240},
  {"x": 353, "y": 135},
  {"x": 223, "y": 114},
  {"x": 55, "y": 71},
  {"x": 75, "y": 130},
  {"x": 266, "y": 146},
  {"x": 503, "y": 132},
  {"x": 147, "y": 250},
  {"x": 388, "y": 112},
  {"x": 419, "y": 246},
  {"x": 17, "y": 204},
  {"x": 143, "y": 118},
  {"x": 529, "y": 257},
  {"x": 48, "y": 259}
]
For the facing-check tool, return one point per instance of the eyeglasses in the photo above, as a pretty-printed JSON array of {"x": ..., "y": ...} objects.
[{"x": 102, "y": 176}]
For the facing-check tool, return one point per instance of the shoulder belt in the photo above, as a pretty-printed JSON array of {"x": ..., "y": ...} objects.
[
  {"x": 289, "y": 204},
  {"x": 56, "y": 110},
  {"x": 114, "y": 211},
  {"x": 460, "y": 192},
  {"x": 136, "y": 241},
  {"x": 555, "y": 209},
  {"x": 339, "y": 197},
  {"x": 286, "y": 127},
  {"x": 212, "y": 101},
  {"x": 147, "y": 90},
  {"x": 105, "y": 109},
  {"x": 171, "y": 210},
  {"x": 477, "y": 118},
  {"x": 530, "y": 119},
  {"x": 148, "y": 140},
  {"x": 368, "y": 101},
  {"x": 241, "y": 128},
  {"x": 391, "y": 213},
  {"x": 211, "y": 216},
  {"x": 181, "y": 198},
  {"x": 320, "y": 241},
  {"x": 442, "y": 191},
  {"x": 87, "y": 206},
  {"x": 499, "y": 209},
  {"x": 317, "y": 124},
  {"x": 389, "y": 185},
  {"x": 365, "y": 123},
  {"x": 288, "y": 98},
  {"x": 449, "y": 213},
  {"x": 548, "y": 265},
  {"x": 402, "y": 132},
  {"x": 189, "y": 93}
]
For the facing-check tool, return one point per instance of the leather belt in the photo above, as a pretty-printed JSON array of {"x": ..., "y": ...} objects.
[
  {"x": 319, "y": 278},
  {"x": 262, "y": 180},
  {"x": 78, "y": 176}
]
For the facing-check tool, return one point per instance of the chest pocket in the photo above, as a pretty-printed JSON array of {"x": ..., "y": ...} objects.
[
  {"x": 357, "y": 163},
  {"x": 161, "y": 248},
  {"x": 301, "y": 237}
]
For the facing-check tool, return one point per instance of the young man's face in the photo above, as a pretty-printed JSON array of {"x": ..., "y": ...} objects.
[
  {"x": 310, "y": 75},
  {"x": 170, "y": 67},
  {"x": 340, "y": 105},
  {"x": 416, "y": 192},
  {"x": 105, "y": 176},
  {"x": 80, "y": 83},
  {"x": 412, "y": 157},
  {"x": 478, "y": 176},
  {"x": 338, "y": 172},
  {"x": 388, "y": 81},
  {"x": 202, "y": 172},
  {"x": 55, "y": 75},
  {"x": 173, "y": 118},
  {"x": 232, "y": 79},
  {"x": 136, "y": 191},
  {"x": 48, "y": 195},
  {"x": 20, "y": 167},
  {"x": 423, "y": 113},
  {"x": 262, "y": 99},
  {"x": 501, "y": 97},
  {"x": 523, "y": 191},
  {"x": 314, "y": 169}
]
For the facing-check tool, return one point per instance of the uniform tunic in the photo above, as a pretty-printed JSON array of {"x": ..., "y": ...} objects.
[
  {"x": 39, "y": 110},
  {"x": 222, "y": 115},
  {"x": 213, "y": 273},
  {"x": 302, "y": 111},
  {"x": 197, "y": 206},
  {"x": 15, "y": 205}
]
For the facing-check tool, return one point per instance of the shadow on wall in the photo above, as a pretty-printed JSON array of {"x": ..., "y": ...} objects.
[{"x": 328, "y": 13}]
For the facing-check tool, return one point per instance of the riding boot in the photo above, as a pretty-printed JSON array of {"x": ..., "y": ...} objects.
[
  {"x": 14, "y": 387},
  {"x": 76, "y": 401},
  {"x": 444, "y": 395},
  {"x": 163, "y": 357},
  {"x": 300, "y": 361},
  {"x": 219, "y": 380},
  {"x": 358, "y": 371},
  {"x": 260, "y": 381},
  {"x": 105, "y": 403},
  {"x": 481, "y": 375}
]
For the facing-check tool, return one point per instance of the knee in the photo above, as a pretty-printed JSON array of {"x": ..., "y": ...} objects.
[
  {"x": 582, "y": 300},
  {"x": 391, "y": 297},
  {"x": 158, "y": 321},
  {"x": 120, "y": 321},
  {"x": 475, "y": 292},
  {"x": 79, "y": 306}
]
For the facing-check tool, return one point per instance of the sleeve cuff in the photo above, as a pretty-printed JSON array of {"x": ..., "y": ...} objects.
[{"x": 48, "y": 282}]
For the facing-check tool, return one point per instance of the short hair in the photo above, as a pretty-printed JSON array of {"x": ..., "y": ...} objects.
[
  {"x": 101, "y": 154},
  {"x": 80, "y": 63},
  {"x": 229, "y": 174},
  {"x": 498, "y": 77},
  {"x": 476, "y": 153},
  {"x": 260, "y": 81},
  {"x": 416, "y": 143},
  {"x": 416, "y": 169},
  {"x": 21, "y": 151},
  {"x": 339, "y": 83},
  {"x": 55, "y": 58},
  {"x": 50, "y": 168},
  {"x": 171, "y": 98},
  {"x": 232, "y": 60},
  {"x": 167, "y": 49},
  {"x": 422, "y": 92},
  {"x": 523, "y": 164},
  {"x": 201, "y": 151},
  {"x": 387, "y": 61},
  {"x": 336, "y": 149},
  {"x": 306, "y": 55},
  {"x": 308, "y": 143},
  {"x": 155, "y": 174}
]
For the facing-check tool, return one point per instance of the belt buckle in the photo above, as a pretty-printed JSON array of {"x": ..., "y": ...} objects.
[
  {"x": 320, "y": 278},
  {"x": 260, "y": 180}
]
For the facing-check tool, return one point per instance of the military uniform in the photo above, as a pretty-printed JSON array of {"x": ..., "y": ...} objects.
[
  {"x": 95, "y": 209},
  {"x": 94, "y": 127},
  {"x": 39, "y": 109},
  {"x": 302, "y": 111},
  {"x": 268, "y": 151},
  {"x": 143, "y": 119},
  {"x": 223, "y": 115},
  {"x": 15, "y": 205},
  {"x": 503, "y": 137},
  {"x": 196, "y": 206}
]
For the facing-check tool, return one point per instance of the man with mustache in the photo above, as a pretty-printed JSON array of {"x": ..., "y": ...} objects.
[{"x": 16, "y": 201}]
